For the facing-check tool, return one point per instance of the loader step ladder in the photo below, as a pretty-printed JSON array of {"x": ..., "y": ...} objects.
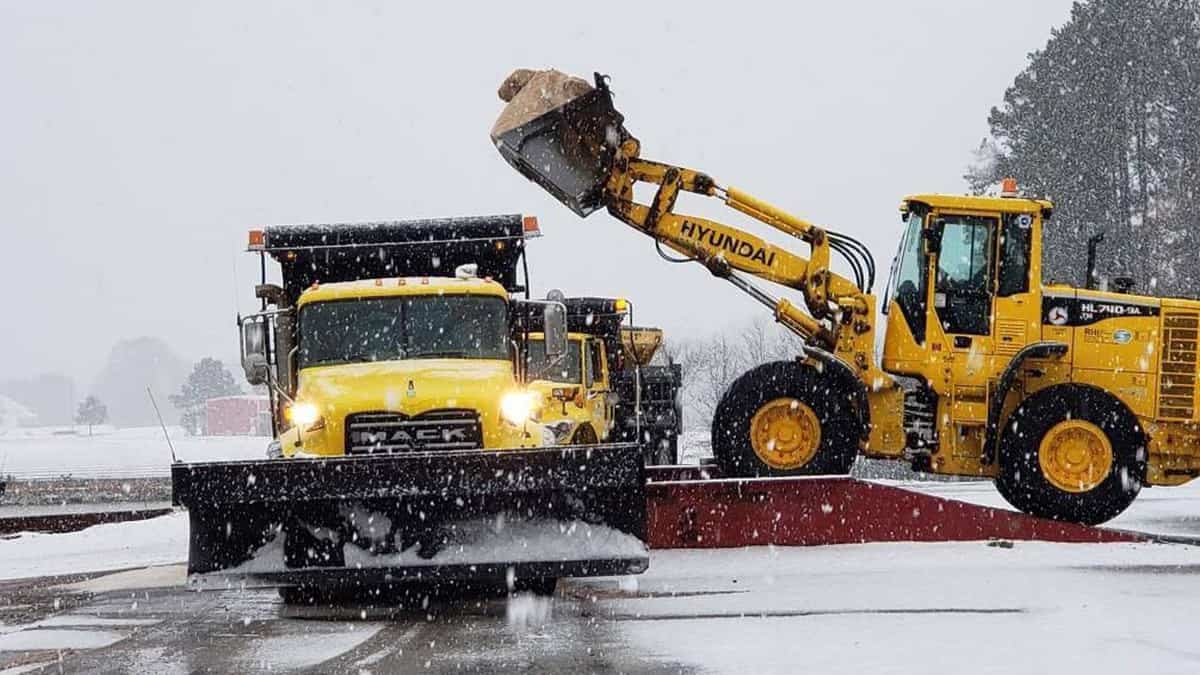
[{"x": 692, "y": 507}]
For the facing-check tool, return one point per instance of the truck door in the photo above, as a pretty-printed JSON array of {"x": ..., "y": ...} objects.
[{"x": 599, "y": 393}]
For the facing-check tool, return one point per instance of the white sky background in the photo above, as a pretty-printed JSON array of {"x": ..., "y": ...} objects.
[{"x": 139, "y": 140}]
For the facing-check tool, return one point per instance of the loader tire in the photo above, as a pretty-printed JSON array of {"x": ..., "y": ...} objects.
[
  {"x": 1072, "y": 452},
  {"x": 785, "y": 419}
]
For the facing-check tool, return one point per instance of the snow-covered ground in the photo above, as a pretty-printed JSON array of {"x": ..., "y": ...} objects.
[
  {"x": 117, "y": 453},
  {"x": 879, "y": 608},
  {"x": 920, "y": 608},
  {"x": 1167, "y": 511},
  {"x": 114, "y": 546}
]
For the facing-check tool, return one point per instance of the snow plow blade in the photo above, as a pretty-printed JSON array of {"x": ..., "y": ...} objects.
[
  {"x": 566, "y": 145},
  {"x": 430, "y": 517}
]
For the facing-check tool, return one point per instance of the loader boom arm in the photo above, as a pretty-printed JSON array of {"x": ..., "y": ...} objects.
[{"x": 832, "y": 302}]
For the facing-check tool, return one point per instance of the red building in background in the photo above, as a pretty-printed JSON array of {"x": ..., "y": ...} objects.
[{"x": 238, "y": 416}]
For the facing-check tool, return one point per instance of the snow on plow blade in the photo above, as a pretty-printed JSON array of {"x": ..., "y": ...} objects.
[
  {"x": 446, "y": 516},
  {"x": 565, "y": 146}
]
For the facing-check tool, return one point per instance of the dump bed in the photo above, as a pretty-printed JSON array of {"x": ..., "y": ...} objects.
[{"x": 325, "y": 253}]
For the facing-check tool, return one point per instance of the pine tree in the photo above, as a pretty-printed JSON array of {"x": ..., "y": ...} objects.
[
  {"x": 209, "y": 379},
  {"x": 92, "y": 411},
  {"x": 1105, "y": 120}
]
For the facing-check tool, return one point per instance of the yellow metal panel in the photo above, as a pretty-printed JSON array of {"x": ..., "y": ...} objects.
[
  {"x": 375, "y": 288},
  {"x": 976, "y": 203}
]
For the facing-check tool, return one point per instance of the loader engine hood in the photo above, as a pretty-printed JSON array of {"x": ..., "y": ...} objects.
[{"x": 426, "y": 403}]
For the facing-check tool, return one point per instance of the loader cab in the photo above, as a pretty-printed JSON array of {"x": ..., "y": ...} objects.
[
  {"x": 966, "y": 278},
  {"x": 963, "y": 299}
]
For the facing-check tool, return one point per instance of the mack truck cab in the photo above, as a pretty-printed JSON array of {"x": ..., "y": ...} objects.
[
  {"x": 397, "y": 337},
  {"x": 408, "y": 363}
]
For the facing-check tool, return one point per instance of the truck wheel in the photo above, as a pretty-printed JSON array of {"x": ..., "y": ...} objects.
[
  {"x": 301, "y": 595},
  {"x": 584, "y": 435},
  {"x": 1072, "y": 452},
  {"x": 785, "y": 419},
  {"x": 668, "y": 449}
]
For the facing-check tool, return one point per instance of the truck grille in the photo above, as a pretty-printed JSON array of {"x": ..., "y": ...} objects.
[
  {"x": 1177, "y": 382},
  {"x": 387, "y": 432}
]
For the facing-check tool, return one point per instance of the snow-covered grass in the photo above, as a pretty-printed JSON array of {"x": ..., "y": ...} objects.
[
  {"x": 118, "y": 453},
  {"x": 114, "y": 546}
]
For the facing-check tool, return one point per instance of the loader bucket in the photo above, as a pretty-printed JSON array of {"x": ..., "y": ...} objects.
[
  {"x": 567, "y": 150},
  {"x": 444, "y": 517}
]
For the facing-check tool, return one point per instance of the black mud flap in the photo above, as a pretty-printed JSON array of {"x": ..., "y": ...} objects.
[
  {"x": 569, "y": 150},
  {"x": 477, "y": 515}
]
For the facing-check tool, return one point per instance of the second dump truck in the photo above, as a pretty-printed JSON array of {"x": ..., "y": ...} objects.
[
  {"x": 409, "y": 440},
  {"x": 607, "y": 388}
]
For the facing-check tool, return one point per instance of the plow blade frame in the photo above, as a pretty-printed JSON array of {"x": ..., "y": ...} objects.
[
  {"x": 569, "y": 150},
  {"x": 236, "y": 509}
]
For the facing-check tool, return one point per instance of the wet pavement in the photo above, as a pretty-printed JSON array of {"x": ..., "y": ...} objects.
[
  {"x": 998, "y": 607},
  {"x": 175, "y": 630},
  {"x": 856, "y": 608}
]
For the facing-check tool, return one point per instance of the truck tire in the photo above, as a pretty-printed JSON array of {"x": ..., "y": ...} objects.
[
  {"x": 659, "y": 448},
  {"x": 1072, "y": 452},
  {"x": 785, "y": 419},
  {"x": 544, "y": 586},
  {"x": 584, "y": 435},
  {"x": 668, "y": 448}
]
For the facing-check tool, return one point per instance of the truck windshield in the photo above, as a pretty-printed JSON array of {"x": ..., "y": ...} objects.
[
  {"x": 566, "y": 371},
  {"x": 399, "y": 328}
]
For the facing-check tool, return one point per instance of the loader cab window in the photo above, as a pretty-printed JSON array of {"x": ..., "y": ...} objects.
[
  {"x": 1015, "y": 240},
  {"x": 910, "y": 277},
  {"x": 961, "y": 294}
]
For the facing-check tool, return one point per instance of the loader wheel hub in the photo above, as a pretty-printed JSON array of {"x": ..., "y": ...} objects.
[
  {"x": 785, "y": 433},
  {"x": 1075, "y": 456}
]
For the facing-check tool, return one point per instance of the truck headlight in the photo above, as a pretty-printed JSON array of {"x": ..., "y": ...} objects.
[
  {"x": 518, "y": 407},
  {"x": 305, "y": 415}
]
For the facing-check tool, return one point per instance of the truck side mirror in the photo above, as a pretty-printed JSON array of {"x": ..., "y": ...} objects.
[
  {"x": 254, "y": 349},
  {"x": 554, "y": 330}
]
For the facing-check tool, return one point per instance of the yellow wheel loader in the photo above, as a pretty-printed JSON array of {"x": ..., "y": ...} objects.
[
  {"x": 1070, "y": 399},
  {"x": 409, "y": 443}
]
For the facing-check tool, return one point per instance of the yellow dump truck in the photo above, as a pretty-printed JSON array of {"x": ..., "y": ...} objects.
[
  {"x": 607, "y": 389},
  {"x": 409, "y": 439}
]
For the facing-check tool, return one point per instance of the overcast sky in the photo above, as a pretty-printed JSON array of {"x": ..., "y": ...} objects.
[{"x": 139, "y": 141}]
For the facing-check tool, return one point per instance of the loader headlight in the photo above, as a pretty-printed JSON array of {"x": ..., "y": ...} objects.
[
  {"x": 305, "y": 415},
  {"x": 518, "y": 407}
]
